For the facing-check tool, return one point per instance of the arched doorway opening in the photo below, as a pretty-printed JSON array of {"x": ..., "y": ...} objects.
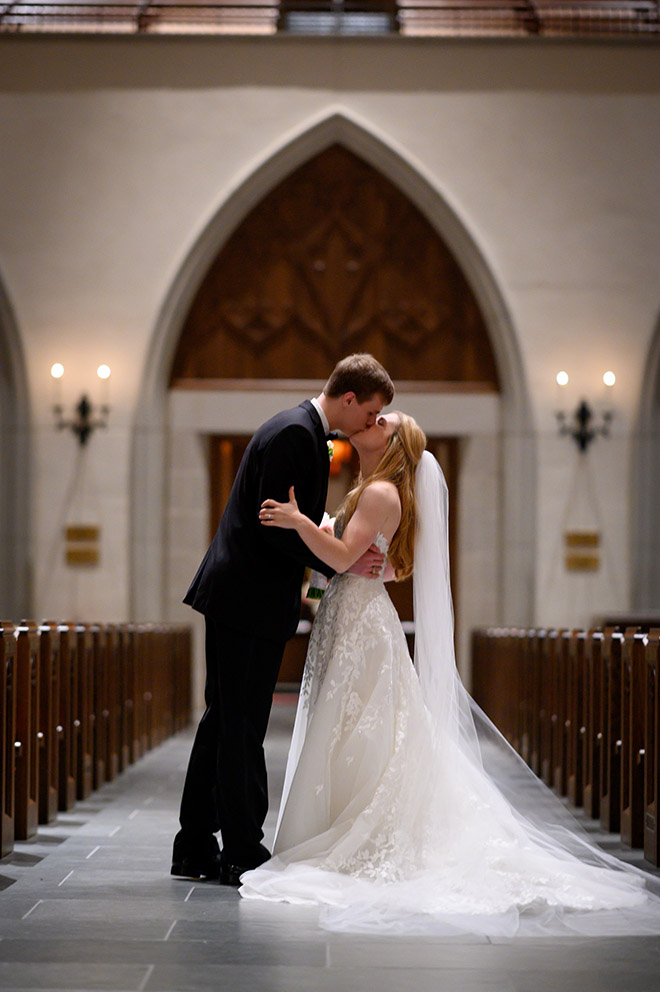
[
  {"x": 335, "y": 259},
  {"x": 15, "y": 473},
  {"x": 513, "y": 591}
]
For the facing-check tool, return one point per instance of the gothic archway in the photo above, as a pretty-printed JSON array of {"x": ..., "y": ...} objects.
[
  {"x": 150, "y": 432},
  {"x": 15, "y": 472}
]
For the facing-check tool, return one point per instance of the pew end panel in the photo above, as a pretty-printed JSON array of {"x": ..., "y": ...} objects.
[
  {"x": 652, "y": 762},
  {"x": 27, "y": 730},
  {"x": 7, "y": 735},
  {"x": 633, "y": 684}
]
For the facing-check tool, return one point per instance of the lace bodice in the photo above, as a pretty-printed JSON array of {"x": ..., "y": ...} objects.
[{"x": 380, "y": 541}]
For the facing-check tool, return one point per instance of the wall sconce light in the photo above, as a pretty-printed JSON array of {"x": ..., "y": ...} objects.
[
  {"x": 83, "y": 423},
  {"x": 582, "y": 425}
]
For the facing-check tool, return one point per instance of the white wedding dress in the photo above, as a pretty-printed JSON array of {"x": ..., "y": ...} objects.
[{"x": 389, "y": 819}]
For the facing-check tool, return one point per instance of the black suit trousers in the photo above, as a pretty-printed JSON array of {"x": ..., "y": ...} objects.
[{"x": 226, "y": 786}]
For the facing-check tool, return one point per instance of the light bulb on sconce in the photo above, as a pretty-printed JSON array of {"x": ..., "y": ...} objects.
[
  {"x": 103, "y": 372},
  {"x": 580, "y": 426},
  {"x": 57, "y": 371},
  {"x": 82, "y": 424}
]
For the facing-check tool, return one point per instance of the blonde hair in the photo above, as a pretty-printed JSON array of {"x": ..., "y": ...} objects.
[{"x": 397, "y": 465}]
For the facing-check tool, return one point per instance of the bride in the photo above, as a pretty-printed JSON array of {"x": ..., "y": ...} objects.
[{"x": 390, "y": 818}]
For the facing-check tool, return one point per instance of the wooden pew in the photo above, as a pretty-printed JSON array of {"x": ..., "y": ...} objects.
[
  {"x": 575, "y": 710},
  {"x": 593, "y": 729},
  {"x": 139, "y": 682},
  {"x": 524, "y": 682},
  {"x": 27, "y": 729},
  {"x": 560, "y": 717},
  {"x": 123, "y": 742},
  {"x": 535, "y": 710},
  {"x": 160, "y": 681},
  {"x": 510, "y": 681},
  {"x": 166, "y": 668},
  {"x": 524, "y": 661},
  {"x": 499, "y": 676},
  {"x": 480, "y": 665},
  {"x": 586, "y": 716},
  {"x": 100, "y": 706},
  {"x": 547, "y": 713},
  {"x": 84, "y": 716},
  {"x": 181, "y": 687},
  {"x": 652, "y": 762},
  {"x": 133, "y": 702},
  {"x": 169, "y": 702},
  {"x": 66, "y": 731},
  {"x": 66, "y": 716},
  {"x": 7, "y": 735},
  {"x": 633, "y": 685},
  {"x": 49, "y": 694},
  {"x": 184, "y": 678},
  {"x": 110, "y": 636},
  {"x": 490, "y": 675},
  {"x": 610, "y": 720},
  {"x": 148, "y": 673}
]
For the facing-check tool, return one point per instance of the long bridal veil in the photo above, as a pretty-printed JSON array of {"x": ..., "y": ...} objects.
[{"x": 508, "y": 850}]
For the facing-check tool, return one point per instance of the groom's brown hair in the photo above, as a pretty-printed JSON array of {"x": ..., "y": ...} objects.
[{"x": 361, "y": 374}]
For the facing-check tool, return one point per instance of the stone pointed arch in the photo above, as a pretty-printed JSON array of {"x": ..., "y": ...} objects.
[
  {"x": 150, "y": 432},
  {"x": 645, "y": 556},
  {"x": 15, "y": 599}
]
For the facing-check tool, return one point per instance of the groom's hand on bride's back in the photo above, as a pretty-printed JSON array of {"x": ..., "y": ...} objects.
[{"x": 369, "y": 564}]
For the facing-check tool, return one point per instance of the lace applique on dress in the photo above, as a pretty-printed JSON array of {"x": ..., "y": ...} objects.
[
  {"x": 356, "y": 660},
  {"x": 332, "y": 624}
]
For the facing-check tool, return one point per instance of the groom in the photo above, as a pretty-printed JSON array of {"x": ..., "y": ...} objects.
[{"x": 248, "y": 588}]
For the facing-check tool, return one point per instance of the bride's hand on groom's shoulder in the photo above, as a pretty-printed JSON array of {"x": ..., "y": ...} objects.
[{"x": 274, "y": 514}]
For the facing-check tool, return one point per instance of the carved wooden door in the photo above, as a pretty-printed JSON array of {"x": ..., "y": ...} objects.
[{"x": 335, "y": 259}]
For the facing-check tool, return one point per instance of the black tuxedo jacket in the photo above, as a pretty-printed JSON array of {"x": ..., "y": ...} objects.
[{"x": 251, "y": 575}]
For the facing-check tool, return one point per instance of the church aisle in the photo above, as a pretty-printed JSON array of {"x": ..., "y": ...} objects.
[{"x": 90, "y": 904}]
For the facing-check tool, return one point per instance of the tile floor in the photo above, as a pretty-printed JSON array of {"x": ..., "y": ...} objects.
[{"x": 89, "y": 904}]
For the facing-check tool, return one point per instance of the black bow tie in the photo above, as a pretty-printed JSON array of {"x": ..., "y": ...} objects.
[{"x": 332, "y": 436}]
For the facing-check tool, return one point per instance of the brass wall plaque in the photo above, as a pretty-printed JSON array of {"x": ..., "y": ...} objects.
[
  {"x": 81, "y": 532},
  {"x": 581, "y": 562},
  {"x": 82, "y": 556},
  {"x": 82, "y": 545},
  {"x": 582, "y": 539}
]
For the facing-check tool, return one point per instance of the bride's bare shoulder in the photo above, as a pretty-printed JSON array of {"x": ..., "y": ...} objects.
[{"x": 381, "y": 493}]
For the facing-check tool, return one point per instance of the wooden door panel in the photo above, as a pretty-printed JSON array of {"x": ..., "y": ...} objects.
[{"x": 335, "y": 259}]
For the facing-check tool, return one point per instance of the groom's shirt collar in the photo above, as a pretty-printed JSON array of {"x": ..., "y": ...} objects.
[{"x": 321, "y": 412}]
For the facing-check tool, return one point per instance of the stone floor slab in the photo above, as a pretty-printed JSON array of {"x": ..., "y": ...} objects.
[{"x": 54, "y": 975}]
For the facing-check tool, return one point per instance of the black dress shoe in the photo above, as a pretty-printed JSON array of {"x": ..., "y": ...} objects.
[
  {"x": 189, "y": 868},
  {"x": 231, "y": 874}
]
